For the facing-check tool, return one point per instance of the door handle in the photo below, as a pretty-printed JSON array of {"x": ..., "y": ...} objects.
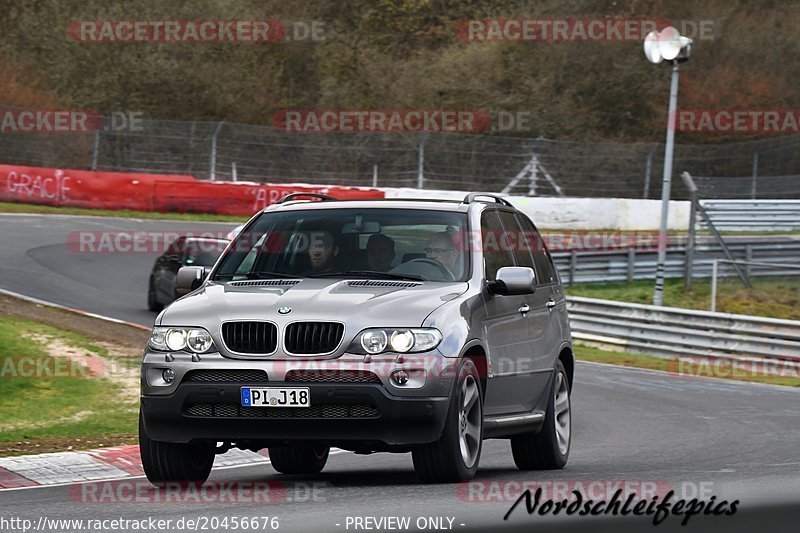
[
  {"x": 550, "y": 304},
  {"x": 524, "y": 308}
]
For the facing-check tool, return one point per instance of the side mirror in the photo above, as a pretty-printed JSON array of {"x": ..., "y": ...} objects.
[
  {"x": 513, "y": 280},
  {"x": 189, "y": 278}
]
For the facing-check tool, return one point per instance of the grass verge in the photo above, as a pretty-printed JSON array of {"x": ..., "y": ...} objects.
[
  {"x": 61, "y": 390},
  {"x": 770, "y": 297}
]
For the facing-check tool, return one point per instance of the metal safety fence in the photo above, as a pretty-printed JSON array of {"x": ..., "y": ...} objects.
[
  {"x": 752, "y": 215},
  {"x": 675, "y": 332},
  {"x": 629, "y": 265}
]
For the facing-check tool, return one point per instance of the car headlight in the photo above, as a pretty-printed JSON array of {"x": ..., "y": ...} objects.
[
  {"x": 378, "y": 340},
  {"x": 167, "y": 339},
  {"x": 374, "y": 341}
]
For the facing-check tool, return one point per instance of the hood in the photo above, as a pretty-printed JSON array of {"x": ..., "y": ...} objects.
[{"x": 357, "y": 303}]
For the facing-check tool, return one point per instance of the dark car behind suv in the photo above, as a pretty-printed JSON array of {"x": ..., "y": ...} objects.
[
  {"x": 184, "y": 251},
  {"x": 383, "y": 325}
]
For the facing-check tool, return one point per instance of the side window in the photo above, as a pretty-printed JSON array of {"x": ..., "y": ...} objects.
[
  {"x": 496, "y": 253},
  {"x": 545, "y": 272},
  {"x": 517, "y": 240}
]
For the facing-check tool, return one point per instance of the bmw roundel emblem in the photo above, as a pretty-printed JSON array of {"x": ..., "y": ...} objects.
[{"x": 285, "y": 310}]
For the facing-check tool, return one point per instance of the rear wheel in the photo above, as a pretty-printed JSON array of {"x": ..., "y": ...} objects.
[
  {"x": 152, "y": 302},
  {"x": 299, "y": 459},
  {"x": 548, "y": 449},
  {"x": 168, "y": 461},
  {"x": 455, "y": 456}
]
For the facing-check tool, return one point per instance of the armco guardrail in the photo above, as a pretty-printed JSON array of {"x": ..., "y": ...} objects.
[
  {"x": 752, "y": 215},
  {"x": 629, "y": 265},
  {"x": 670, "y": 331}
]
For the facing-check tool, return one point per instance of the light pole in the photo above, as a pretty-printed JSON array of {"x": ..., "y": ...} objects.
[{"x": 669, "y": 45}]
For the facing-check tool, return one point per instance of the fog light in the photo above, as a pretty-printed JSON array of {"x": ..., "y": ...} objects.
[
  {"x": 168, "y": 374},
  {"x": 400, "y": 377}
]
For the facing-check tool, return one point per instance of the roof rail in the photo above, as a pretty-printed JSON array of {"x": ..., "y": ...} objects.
[
  {"x": 290, "y": 197},
  {"x": 473, "y": 197}
]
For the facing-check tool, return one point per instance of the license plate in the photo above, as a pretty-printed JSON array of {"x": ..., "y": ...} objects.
[{"x": 275, "y": 397}]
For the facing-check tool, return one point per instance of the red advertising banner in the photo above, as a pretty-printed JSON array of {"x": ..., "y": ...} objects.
[{"x": 150, "y": 192}]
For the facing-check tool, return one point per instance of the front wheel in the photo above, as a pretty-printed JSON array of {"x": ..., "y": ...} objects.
[
  {"x": 168, "y": 461},
  {"x": 152, "y": 301},
  {"x": 299, "y": 459},
  {"x": 549, "y": 448},
  {"x": 455, "y": 456}
]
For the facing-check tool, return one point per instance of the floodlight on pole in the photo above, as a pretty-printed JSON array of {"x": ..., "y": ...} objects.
[{"x": 666, "y": 45}]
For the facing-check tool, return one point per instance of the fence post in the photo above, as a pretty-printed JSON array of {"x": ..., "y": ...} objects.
[
  {"x": 213, "y": 164},
  {"x": 534, "y": 177},
  {"x": 573, "y": 265},
  {"x": 95, "y": 149},
  {"x": 755, "y": 175},
  {"x": 234, "y": 175},
  {"x": 421, "y": 161},
  {"x": 648, "y": 167},
  {"x": 631, "y": 264},
  {"x": 714, "y": 269},
  {"x": 748, "y": 256},
  {"x": 374, "y": 175},
  {"x": 688, "y": 265}
]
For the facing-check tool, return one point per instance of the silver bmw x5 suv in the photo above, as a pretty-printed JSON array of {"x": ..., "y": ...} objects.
[{"x": 382, "y": 325}]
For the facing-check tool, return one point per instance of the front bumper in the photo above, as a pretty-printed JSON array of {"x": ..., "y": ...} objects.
[{"x": 343, "y": 412}]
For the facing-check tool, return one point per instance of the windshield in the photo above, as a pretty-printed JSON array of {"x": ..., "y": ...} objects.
[
  {"x": 354, "y": 243},
  {"x": 202, "y": 252}
]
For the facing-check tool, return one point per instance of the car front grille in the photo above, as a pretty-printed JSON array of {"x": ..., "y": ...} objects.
[
  {"x": 226, "y": 376},
  {"x": 232, "y": 410},
  {"x": 307, "y": 338},
  {"x": 250, "y": 337},
  {"x": 332, "y": 376}
]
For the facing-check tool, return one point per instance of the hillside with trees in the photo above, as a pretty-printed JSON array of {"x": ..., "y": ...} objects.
[{"x": 403, "y": 54}]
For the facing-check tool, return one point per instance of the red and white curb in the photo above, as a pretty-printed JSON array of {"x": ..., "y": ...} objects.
[{"x": 94, "y": 465}]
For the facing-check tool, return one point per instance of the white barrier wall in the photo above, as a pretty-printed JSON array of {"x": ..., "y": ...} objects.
[{"x": 578, "y": 213}]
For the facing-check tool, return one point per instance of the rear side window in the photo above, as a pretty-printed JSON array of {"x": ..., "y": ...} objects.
[
  {"x": 531, "y": 243},
  {"x": 496, "y": 252},
  {"x": 517, "y": 240}
]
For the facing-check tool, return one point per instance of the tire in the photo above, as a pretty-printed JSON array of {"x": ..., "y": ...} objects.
[
  {"x": 299, "y": 459},
  {"x": 549, "y": 448},
  {"x": 167, "y": 461},
  {"x": 455, "y": 456},
  {"x": 152, "y": 302}
]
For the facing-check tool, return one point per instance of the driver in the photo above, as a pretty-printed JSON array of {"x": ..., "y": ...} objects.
[
  {"x": 442, "y": 249},
  {"x": 322, "y": 251}
]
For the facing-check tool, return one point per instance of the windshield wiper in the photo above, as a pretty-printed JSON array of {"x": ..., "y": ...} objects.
[
  {"x": 263, "y": 274},
  {"x": 367, "y": 274}
]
